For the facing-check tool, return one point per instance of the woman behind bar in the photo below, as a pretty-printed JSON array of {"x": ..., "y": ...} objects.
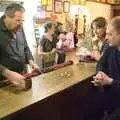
[
  {"x": 99, "y": 43},
  {"x": 46, "y": 48}
]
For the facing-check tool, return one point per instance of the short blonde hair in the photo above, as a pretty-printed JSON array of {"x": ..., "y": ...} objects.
[{"x": 115, "y": 22}]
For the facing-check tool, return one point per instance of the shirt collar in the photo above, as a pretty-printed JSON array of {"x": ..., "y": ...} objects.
[
  {"x": 3, "y": 27},
  {"x": 2, "y": 24}
]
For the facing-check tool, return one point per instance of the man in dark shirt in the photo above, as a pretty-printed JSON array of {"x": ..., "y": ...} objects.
[
  {"x": 108, "y": 68},
  {"x": 14, "y": 51}
]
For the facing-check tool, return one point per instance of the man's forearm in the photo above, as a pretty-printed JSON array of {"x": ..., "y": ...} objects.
[
  {"x": 115, "y": 85},
  {"x": 28, "y": 53}
]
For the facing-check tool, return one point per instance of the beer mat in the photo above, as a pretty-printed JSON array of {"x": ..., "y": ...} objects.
[
  {"x": 33, "y": 74},
  {"x": 5, "y": 83},
  {"x": 48, "y": 69}
]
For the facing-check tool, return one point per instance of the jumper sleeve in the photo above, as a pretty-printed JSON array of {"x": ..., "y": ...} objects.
[
  {"x": 102, "y": 63},
  {"x": 115, "y": 86}
]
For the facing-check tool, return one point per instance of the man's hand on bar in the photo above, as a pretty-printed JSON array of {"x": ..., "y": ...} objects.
[
  {"x": 15, "y": 78},
  {"x": 33, "y": 65},
  {"x": 101, "y": 79}
]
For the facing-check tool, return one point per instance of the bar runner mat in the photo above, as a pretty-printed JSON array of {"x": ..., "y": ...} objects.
[{"x": 5, "y": 83}]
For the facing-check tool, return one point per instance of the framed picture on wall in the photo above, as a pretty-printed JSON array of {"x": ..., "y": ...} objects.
[
  {"x": 49, "y": 6},
  {"x": 66, "y": 6},
  {"x": 58, "y": 6}
]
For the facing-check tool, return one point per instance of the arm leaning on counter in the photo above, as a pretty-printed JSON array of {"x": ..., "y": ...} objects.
[
  {"x": 14, "y": 58},
  {"x": 108, "y": 70},
  {"x": 14, "y": 50},
  {"x": 12, "y": 76},
  {"x": 28, "y": 55}
]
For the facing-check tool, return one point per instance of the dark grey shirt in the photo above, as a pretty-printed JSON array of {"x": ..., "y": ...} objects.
[{"x": 14, "y": 53}]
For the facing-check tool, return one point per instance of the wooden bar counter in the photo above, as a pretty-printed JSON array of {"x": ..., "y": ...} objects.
[{"x": 41, "y": 102}]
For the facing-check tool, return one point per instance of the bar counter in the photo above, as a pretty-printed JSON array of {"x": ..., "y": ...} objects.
[
  {"x": 46, "y": 89},
  {"x": 43, "y": 86}
]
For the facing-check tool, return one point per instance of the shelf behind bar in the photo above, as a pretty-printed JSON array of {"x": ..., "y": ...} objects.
[{"x": 113, "y": 4}]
